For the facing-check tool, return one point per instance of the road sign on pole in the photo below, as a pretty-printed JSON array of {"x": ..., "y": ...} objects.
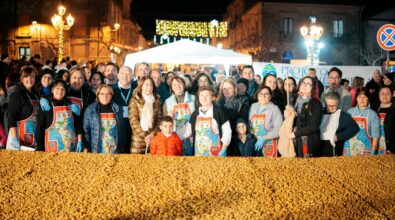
[{"x": 386, "y": 37}]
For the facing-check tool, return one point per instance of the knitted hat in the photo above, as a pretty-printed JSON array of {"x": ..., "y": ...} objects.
[{"x": 244, "y": 81}]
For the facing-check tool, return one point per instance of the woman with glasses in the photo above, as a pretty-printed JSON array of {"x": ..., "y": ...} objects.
[
  {"x": 386, "y": 115},
  {"x": 265, "y": 120},
  {"x": 306, "y": 132},
  {"x": 336, "y": 127},
  {"x": 366, "y": 141}
]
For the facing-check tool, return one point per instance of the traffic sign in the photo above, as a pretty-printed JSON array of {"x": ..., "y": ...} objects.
[{"x": 386, "y": 37}]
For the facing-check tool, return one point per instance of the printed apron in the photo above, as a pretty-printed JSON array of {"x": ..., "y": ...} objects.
[
  {"x": 60, "y": 136},
  {"x": 77, "y": 101},
  {"x": 26, "y": 129},
  {"x": 361, "y": 143},
  {"x": 206, "y": 140},
  {"x": 181, "y": 118},
  {"x": 109, "y": 134},
  {"x": 259, "y": 129},
  {"x": 382, "y": 144}
]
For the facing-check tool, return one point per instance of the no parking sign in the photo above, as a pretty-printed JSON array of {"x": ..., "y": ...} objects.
[{"x": 386, "y": 37}]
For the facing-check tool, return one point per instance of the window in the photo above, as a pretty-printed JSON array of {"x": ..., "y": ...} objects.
[
  {"x": 338, "y": 28},
  {"x": 24, "y": 51},
  {"x": 288, "y": 25}
]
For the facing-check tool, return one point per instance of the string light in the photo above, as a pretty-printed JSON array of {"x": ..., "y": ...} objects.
[{"x": 192, "y": 28}]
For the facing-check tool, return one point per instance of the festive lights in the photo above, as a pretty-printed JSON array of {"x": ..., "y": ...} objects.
[
  {"x": 192, "y": 28},
  {"x": 311, "y": 35},
  {"x": 59, "y": 24}
]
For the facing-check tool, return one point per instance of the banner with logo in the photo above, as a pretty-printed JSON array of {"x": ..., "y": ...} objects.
[{"x": 299, "y": 71}]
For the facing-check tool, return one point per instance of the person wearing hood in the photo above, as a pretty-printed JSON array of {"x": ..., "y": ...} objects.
[
  {"x": 43, "y": 88},
  {"x": 366, "y": 141},
  {"x": 336, "y": 127},
  {"x": 308, "y": 107},
  {"x": 242, "y": 88},
  {"x": 265, "y": 121},
  {"x": 22, "y": 111}
]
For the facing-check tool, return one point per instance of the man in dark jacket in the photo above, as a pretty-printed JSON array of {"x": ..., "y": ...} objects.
[
  {"x": 373, "y": 87},
  {"x": 336, "y": 126},
  {"x": 161, "y": 87},
  {"x": 248, "y": 74}
]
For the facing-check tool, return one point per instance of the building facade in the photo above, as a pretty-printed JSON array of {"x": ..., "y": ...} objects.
[
  {"x": 270, "y": 31},
  {"x": 92, "y": 36}
]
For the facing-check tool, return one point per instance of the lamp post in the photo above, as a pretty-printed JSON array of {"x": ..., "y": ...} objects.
[
  {"x": 312, "y": 34},
  {"x": 60, "y": 25},
  {"x": 37, "y": 28}
]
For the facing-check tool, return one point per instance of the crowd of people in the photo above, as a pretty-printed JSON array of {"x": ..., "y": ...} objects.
[{"x": 101, "y": 108}]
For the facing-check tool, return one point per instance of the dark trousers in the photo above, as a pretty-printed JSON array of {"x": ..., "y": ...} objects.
[{"x": 327, "y": 149}]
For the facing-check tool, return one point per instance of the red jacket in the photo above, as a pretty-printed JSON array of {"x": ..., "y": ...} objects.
[{"x": 166, "y": 146}]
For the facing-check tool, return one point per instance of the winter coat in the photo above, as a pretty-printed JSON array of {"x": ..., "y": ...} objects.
[
  {"x": 166, "y": 146},
  {"x": 238, "y": 148},
  {"x": 136, "y": 105},
  {"x": 92, "y": 128},
  {"x": 235, "y": 108},
  {"x": 307, "y": 123}
]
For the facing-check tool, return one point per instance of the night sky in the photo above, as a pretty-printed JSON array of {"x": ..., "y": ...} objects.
[{"x": 145, "y": 12}]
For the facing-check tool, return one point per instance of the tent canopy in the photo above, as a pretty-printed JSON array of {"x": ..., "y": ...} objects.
[{"x": 187, "y": 52}]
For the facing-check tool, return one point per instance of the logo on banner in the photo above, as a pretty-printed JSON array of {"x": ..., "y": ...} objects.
[
  {"x": 386, "y": 37},
  {"x": 269, "y": 69}
]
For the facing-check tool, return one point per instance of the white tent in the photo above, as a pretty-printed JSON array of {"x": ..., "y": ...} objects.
[{"x": 187, "y": 52}]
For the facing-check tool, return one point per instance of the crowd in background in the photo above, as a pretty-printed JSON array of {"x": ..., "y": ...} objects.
[{"x": 101, "y": 108}]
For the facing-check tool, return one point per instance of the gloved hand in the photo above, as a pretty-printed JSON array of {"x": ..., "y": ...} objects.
[
  {"x": 79, "y": 147},
  {"x": 75, "y": 109},
  {"x": 44, "y": 104},
  {"x": 259, "y": 144},
  {"x": 13, "y": 144},
  {"x": 222, "y": 153}
]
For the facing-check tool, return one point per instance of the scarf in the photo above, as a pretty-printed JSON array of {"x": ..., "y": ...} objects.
[
  {"x": 147, "y": 114},
  {"x": 300, "y": 101},
  {"x": 329, "y": 125}
]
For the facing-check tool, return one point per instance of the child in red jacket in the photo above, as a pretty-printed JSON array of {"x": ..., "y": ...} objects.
[{"x": 166, "y": 142}]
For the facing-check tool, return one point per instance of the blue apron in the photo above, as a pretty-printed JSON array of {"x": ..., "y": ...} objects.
[{"x": 60, "y": 136}]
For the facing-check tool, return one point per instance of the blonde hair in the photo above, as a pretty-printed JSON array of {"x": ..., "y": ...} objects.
[
  {"x": 231, "y": 81},
  {"x": 104, "y": 86}
]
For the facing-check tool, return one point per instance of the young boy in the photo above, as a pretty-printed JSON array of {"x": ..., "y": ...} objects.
[
  {"x": 166, "y": 142},
  {"x": 244, "y": 144}
]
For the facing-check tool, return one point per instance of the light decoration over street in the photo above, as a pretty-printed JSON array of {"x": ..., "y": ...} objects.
[{"x": 213, "y": 29}]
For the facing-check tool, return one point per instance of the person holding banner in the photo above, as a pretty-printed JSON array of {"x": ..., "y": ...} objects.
[
  {"x": 265, "y": 120},
  {"x": 366, "y": 141},
  {"x": 59, "y": 129},
  {"x": 306, "y": 132},
  {"x": 22, "y": 112},
  {"x": 386, "y": 105}
]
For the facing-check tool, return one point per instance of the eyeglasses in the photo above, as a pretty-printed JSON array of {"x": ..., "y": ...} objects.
[
  {"x": 307, "y": 84},
  {"x": 264, "y": 94}
]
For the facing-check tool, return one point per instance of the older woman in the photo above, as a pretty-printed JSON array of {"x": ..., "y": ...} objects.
[
  {"x": 144, "y": 114},
  {"x": 103, "y": 124},
  {"x": 59, "y": 130},
  {"x": 22, "y": 111},
  {"x": 386, "y": 105},
  {"x": 336, "y": 126},
  {"x": 367, "y": 139},
  {"x": 208, "y": 126},
  {"x": 265, "y": 120},
  {"x": 307, "y": 123},
  {"x": 232, "y": 103},
  {"x": 180, "y": 106}
]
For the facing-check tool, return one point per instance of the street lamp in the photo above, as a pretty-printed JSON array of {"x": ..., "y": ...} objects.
[
  {"x": 60, "y": 25},
  {"x": 37, "y": 28},
  {"x": 312, "y": 35}
]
